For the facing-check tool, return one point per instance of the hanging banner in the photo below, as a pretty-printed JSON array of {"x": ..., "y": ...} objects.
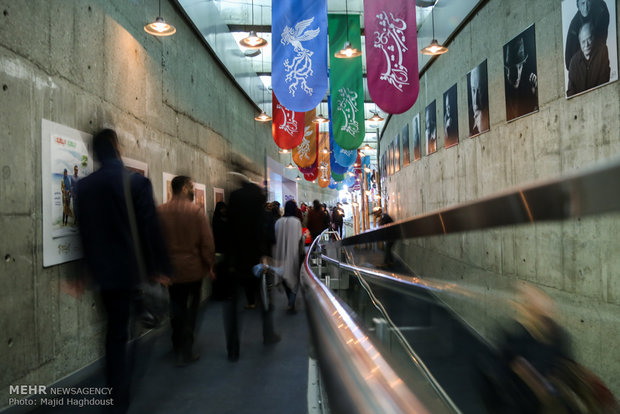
[
  {"x": 299, "y": 47},
  {"x": 349, "y": 179},
  {"x": 304, "y": 154},
  {"x": 323, "y": 156},
  {"x": 287, "y": 126},
  {"x": 338, "y": 177},
  {"x": 346, "y": 83},
  {"x": 312, "y": 175},
  {"x": 333, "y": 184},
  {"x": 391, "y": 54},
  {"x": 342, "y": 157}
]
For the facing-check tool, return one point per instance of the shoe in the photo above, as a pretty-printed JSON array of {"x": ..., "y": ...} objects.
[
  {"x": 183, "y": 360},
  {"x": 273, "y": 339}
]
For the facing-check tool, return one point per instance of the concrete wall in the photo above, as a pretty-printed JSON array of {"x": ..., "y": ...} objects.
[
  {"x": 89, "y": 64},
  {"x": 576, "y": 262}
]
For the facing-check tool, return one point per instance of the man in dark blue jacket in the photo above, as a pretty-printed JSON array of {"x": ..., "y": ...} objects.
[{"x": 110, "y": 253}]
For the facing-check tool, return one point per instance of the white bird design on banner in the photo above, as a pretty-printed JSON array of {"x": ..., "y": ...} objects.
[
  {"x": 301, "y": 66},
  {"x": 289, "y": 124}
]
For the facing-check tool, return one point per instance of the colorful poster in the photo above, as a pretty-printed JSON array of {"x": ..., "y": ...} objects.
[
  {"x": 66, "y": 157},
  {"x": 590, "y": 44},
  {"x": 392, "y": 54},
  {"x": 299, "y": 47},
  {"x": 520, "y": 75},
  {"x": 478, "y": 100},
  {"x": 200, "y": 193},
  {"x": 346, "y": 83},
  {"x": 417, "y": 146},
  {"x": 304, "y": 154},
  {"x": 406, "y": 151},
  {"x": 450, "y": 118},
  {"x": 287, "y": 126},
  {"x": 430, "y": 126}
]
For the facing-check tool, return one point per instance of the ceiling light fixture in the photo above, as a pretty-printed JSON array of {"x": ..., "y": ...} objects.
[
  {"x": 347, "y": 50},
  {"x": 262, "y": 117},
  {"x": 320, "y": 119},
  {"x": 159, "y": 27},
  {"x": 252, "y": 40},
  {"x": 434, "y": 48}
]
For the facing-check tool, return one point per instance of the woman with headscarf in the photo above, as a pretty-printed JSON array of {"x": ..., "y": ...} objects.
[{"x": 287, "y": 251}]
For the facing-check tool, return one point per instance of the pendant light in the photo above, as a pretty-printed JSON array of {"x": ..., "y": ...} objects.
[
  {"x": 252, "y": 40},
  {"x": 375, "y": 116},
  {"x": 320, "y": 119},
  {"x": 347, "y": 50},
  {"x": 159, "y": 27},
  {"x": 434, "y": 48},
  {"x": 262, "y": 117}
]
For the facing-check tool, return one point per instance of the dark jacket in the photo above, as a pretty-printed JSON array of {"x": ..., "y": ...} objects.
[{"x": 105, "y": 232}]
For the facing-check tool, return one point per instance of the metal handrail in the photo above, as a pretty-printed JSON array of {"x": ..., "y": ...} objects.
[
  {"x": 577, "y": 195},
  {"x": 359, "y": 377}
]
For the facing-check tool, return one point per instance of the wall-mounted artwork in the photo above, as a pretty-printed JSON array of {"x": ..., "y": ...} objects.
[
  {"x": 391, "y": 162},
  {"x": 520, "y": 75},
  {"x": 66, "y": 157},
  {"x": 218, "y": 195},
  {"x": 406, "y": 150},
  {"x": 415, "y": 129},
  {"x": 590, "y": 44},
  {"x": 478, "y": 100},
  {"x": 136, "y": 166},
  {"x": 167, "y": 186},
  {"x": 430, "y": 126},
  {"x": 397, "y": 154},
  {"x": 200, "y": 192},
  {"x": 450, "y": 118}
]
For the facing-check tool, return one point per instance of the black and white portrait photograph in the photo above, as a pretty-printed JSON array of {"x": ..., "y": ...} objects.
[
  {"x": 397, "y": 154},
  {"x": 415, "y": 129},
  {"x": 430, "y": 128},
  {"x": 450, "y": 118},
  {"x": 478, "y": 100},
  {"x": 520, "y": 75},
  {"x": 406, "y": 150},
  {"x": 590, "y": 44}
]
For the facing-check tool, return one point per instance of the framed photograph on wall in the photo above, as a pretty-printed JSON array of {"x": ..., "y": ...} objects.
[
  {"x": 430, "y": 127},
  {"x": 167, "y": 186},
  {"x": 397, "y": 153},
  {"x": 521, "y": 75},
  {"x": 136, "y": 166},
  {"x": 590, "y": 44},
  {"x": 200, "y": 193},
  {"x": 415, "y": 129},
  {"x": 218, "y": 195},
  {"x": 478, "y": 100},
  {"x": 406, "y": 149},
  {"x": 450, "y": 117}
]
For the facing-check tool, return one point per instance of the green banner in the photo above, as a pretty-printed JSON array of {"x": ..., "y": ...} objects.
[
  {"x": 346, "y": 82},
  {"x": 337, "y": 177}
]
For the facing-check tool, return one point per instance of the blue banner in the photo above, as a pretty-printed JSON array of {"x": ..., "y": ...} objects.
[{"x": 299, "y": 48}]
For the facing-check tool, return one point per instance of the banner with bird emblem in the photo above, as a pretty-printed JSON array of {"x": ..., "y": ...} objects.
[
  {"x": 346, "y": 82},
  {"x": 392, "y": 54},
  {"x": 287, "y": 126},
  {"x": 299, "y": 47},
  {"x": 304, "y": 154}
]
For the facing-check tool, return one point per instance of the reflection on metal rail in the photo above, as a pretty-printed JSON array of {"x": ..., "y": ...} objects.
[
  {"x": 359, "y": 378},
  {"x": 593, "y": 192}
]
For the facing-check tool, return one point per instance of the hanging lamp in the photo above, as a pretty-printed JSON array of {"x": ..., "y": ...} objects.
[
  {"x": 159, "y": 27},
  {"x": 252, "y": 40},
  {"x": 434, "y": 48},
  {"x": 375, "y": 116},
  {"x": 262, "y": 117},
  {"x": 320, "y": 119},
  {"x": 347, "y": 51}
]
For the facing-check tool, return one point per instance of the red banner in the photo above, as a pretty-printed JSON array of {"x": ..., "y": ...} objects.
[
  {"x": 304, "y": 154},
  {"x": 392, "y": 54},
  {"x": 287, "y": 126}
]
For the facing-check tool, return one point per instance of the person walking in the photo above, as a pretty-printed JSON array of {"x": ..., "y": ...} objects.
[
  {"x": 192, "y": 252},
  {"x": 110, "y": 252},
  {"x": 287, "y": 251}
]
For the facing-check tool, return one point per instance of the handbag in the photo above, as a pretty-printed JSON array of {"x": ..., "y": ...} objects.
[{"x": 153, "y": 296}]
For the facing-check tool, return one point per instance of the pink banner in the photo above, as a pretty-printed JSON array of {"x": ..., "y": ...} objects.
[
  {"x": 287, "y": 126},
  {"x": 392, "y": 54}
]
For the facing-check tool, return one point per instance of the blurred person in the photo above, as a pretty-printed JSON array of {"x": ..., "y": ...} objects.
[
  {"x": 478, "y": 100},
  {"x": 385, "y": 219},
  {"x": 219, "y": 226},
  {"x": 520, "y": 80},
  {"x": 110, "y": 252},
  {"x": 338, "y": 218},
  {"x": 192, "y": 253},
  {"x": 316, "y": 219},
  {"x": 590, "y": 66},
  {"x": 74, "y": 181},
  {"x": 288, "y": 250},
  {"x": 246, "y": 246},
  {"x": 594, "y": 12}
]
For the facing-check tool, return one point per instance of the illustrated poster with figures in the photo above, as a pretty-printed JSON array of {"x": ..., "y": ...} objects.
[{"x": 66, "y": 157}]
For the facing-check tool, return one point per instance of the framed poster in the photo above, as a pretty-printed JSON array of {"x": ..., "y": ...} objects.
[
  {"x": 520, "y": 75},
  {"x": 590, "y": 44},
  {"x": 406, "y": 150},
  {"x": 478, "y": 100},
  {"x": 450, "y": 118},
  {"x": 397, "y": 153},
  {"x": 167, "y": 187},
  {"x": 218, "y": 195},
  {"x": 200, "y": 192},
  {"x": 136, "y": 166},
  {"x": 430, "y": 127},
  {"x": 66, "y": 157},
  {"x": 415, "y": 126}
]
